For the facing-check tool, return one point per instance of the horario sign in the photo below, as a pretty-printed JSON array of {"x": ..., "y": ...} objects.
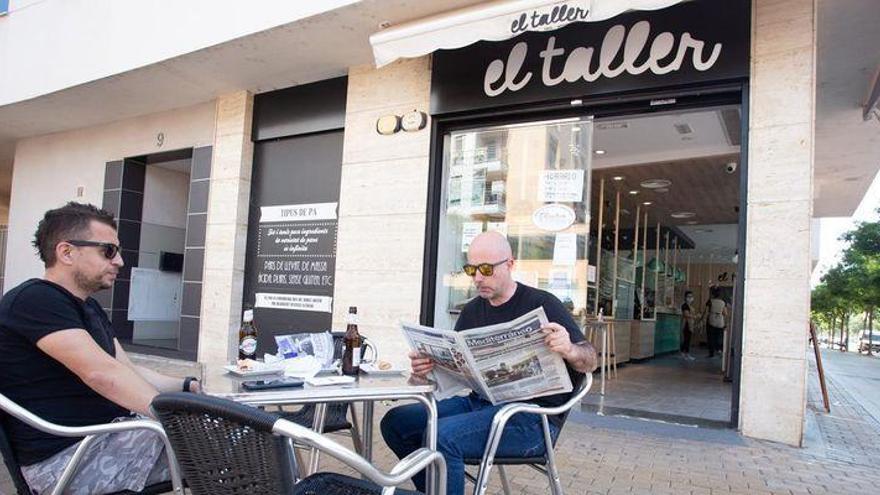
[{"x": 695, "y": 42}]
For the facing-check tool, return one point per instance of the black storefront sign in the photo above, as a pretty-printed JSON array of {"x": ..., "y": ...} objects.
[
  {"x": 292, "y": 224},
  {"x": 692, "y": 43}
]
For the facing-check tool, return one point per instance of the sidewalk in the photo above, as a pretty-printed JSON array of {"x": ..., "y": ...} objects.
[{"x": 608, "y": 455}]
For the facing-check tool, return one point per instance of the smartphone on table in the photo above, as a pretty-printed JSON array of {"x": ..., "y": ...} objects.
[{"x": 283, "y": 382}]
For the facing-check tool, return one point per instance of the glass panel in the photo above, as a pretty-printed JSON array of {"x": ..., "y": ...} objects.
[{"x": 497, "y": 178}]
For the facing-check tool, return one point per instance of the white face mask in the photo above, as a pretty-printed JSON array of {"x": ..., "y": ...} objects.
[{"x": 689, "y": 299}]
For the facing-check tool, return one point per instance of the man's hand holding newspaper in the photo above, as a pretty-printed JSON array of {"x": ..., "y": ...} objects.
[{"x": 512, "y": 361}]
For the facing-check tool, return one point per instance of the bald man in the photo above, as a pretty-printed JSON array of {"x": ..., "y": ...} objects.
[{"x": 464, "y": 422}]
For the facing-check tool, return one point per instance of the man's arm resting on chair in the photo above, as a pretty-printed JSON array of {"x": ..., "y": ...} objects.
[
  {"x": 163, "y": 383},
  {"x": 77, "y": 351},
  {"x": 581, "y": 356}
]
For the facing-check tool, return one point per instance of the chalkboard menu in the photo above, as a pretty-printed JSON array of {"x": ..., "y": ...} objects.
[{"x": 291, "y": 253}]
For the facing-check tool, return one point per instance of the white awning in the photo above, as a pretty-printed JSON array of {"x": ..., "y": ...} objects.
[{"x": 495, "y": 21}]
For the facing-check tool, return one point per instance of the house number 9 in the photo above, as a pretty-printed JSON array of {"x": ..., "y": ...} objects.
[{"x": 160, "y": 139}]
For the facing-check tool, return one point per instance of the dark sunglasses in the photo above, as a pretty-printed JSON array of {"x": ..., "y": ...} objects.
[
  {"x": 486, "y": 269},
  {"x": 110, "y": 249}
]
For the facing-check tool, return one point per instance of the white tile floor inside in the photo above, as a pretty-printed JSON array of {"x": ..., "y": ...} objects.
[{"x": 666, "y": 387}]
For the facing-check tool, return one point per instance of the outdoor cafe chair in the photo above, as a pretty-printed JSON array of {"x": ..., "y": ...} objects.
[
  {"x": 545, "y": 463},
  {"x": 9, "y": 409},
  {"x": 227, "y": 448}
]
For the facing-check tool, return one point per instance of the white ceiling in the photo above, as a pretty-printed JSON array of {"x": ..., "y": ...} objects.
[
  {"x": 653, "y": 138},
  {"x": 847, "y": 147},
  {"x": 181, "y": 166}
]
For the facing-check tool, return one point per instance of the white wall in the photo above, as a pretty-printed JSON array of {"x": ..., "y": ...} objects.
[
  {"x": 165, "y": 196},
  {"x": 163, "y": 228},
  {"x": 49, "y": 168},
  {"x": 49, "y": 45}
]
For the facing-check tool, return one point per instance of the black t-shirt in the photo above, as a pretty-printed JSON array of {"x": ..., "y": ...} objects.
[
  {"x": 37, "y": 382},
  {"x": 479, "y": 313},
  {"x": 687, "y": 321}
]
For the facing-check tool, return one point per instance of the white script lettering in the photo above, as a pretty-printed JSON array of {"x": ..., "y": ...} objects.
[{"x": 579, "y": 65}]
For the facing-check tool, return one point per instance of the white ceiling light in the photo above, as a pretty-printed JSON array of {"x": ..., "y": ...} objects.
[
  {"x": 618, "y": 178},
  {"x": 647, "y": 203},
  {"x": 656, "y": 183},
  {"x": 599, "y": 152},
  {"x": 683, "y": 214},
  {"x": 633, "y": 192}
]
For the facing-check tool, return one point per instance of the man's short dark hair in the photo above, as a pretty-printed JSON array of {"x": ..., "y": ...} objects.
[{"x": 71, "y": 221}]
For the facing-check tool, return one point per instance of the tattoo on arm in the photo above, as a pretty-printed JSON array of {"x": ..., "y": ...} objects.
[{"x": 584, "y": 358}]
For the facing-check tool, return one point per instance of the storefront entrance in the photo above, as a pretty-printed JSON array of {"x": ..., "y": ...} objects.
[{"x": 620, "y": 194}]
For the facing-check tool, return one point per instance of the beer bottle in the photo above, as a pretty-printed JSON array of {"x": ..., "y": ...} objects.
[
  {"x": 351, "y": 356},
  {"x": 247, "y": 337}
]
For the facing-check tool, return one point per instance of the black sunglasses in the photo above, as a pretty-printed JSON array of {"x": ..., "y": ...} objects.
[
  {"x": 110, "y": 249},
  {"x": 486, "y": 269}
]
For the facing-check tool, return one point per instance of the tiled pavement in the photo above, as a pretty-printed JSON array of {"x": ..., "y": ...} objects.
[{"x": 610, "y": 455}]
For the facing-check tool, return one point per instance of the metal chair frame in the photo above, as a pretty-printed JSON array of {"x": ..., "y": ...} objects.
[
  {"x": 90, "y": 433},
  {"x": 499, "y": 421},
  {"x": 405, "y": 469}
]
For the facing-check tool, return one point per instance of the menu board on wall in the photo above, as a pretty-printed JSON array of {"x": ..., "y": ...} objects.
[
  {"x": 291, "y": 254},
  {"x": 296, "y": 246}
]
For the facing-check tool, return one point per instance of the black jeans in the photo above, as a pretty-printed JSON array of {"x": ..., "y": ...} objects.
[
  {"x": 713, "y": 337},
  {"x": 685, "y": 341}
]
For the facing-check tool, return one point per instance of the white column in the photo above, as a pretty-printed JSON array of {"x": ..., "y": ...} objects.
[
  {"x": 383, "y": 201},
  {"x": 226, "y": 234},
  {"x": 780, "y": 192}
]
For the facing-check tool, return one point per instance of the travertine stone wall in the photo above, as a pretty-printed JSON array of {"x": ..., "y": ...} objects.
[
  {"x": 383, "y": 198},
  {"x": 780, "y": 175},
  {"x": 226, "y": 235}
]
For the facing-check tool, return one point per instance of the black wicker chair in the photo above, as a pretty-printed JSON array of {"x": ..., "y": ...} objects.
[
  {"x": 226, "y": 448},
  {"x": 9, "y": 409}
]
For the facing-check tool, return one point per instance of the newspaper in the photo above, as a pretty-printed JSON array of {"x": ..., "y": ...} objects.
[
  {"x": 506, "y": 362},
  {"x": 319, "y": 345}
]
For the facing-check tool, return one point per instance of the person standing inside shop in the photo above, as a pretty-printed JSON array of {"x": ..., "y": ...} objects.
[
  {"x": 464, "y": 422},
  {"x": 687, "y": 325},
  {"x": 716, "y": 310}
]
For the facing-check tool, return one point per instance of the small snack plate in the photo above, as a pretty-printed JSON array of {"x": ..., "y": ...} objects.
[
  {"x": 372, "y": 369},
  {"x": 235, "y": 370}
]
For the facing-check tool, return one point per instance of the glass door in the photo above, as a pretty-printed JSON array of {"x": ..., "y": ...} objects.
[{"x": 531, "y": 182}]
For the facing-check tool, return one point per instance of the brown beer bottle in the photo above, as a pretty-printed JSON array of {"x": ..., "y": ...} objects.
[
  {"x": 247, "y": 337},
  {"x": 351, "y": 356}
]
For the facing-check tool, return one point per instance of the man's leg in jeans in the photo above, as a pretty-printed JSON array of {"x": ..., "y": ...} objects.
[
  {"x": 464, "y": 436},
  {"x": 403, "y": 427}
]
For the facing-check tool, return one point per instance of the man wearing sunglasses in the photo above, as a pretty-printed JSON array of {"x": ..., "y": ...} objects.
[
  {"x": 60, "y": 359},
  {"x": 464, "y": 422}
]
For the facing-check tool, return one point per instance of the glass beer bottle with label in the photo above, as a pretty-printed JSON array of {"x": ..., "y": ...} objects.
[
  {"x": 351, "y": 356},
  {"x": 247, "y": 337}
]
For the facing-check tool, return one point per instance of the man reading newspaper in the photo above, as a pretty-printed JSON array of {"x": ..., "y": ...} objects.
[{"x": 464, "y": 422}]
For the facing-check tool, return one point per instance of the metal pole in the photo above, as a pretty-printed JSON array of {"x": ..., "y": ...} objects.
[
  {"x": 645, "y": 259},
  {"x": 599, "y": 243},
  {"x": 636, "y": 244},
  {"x": 616, "y": 256},
  {"x": 656, "y": 272}
]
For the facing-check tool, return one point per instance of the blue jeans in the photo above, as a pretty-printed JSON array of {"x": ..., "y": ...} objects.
[{"x": 462, "y": 432}]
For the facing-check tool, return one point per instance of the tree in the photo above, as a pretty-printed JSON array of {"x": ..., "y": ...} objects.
[{"x": 861, "y": 260}]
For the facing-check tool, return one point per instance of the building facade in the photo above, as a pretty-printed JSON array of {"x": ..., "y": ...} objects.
[{"x": 269, "y": 163}]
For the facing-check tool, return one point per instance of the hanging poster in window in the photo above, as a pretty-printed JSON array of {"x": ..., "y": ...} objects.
[
  {"x": 561, "y": 186},
  {"x": 565, "y": 249}
]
